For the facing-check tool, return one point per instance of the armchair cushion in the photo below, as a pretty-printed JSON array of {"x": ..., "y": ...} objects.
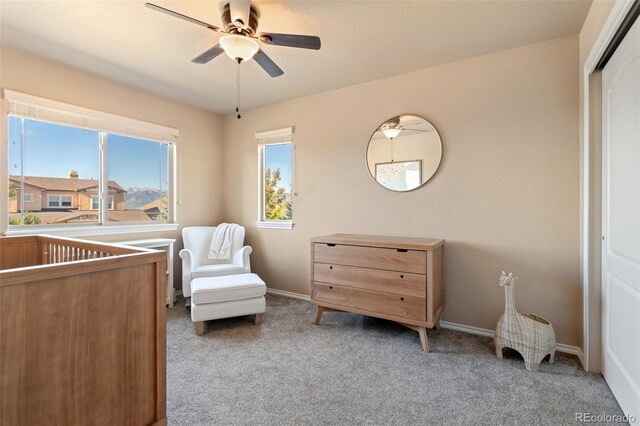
[{"x": 217, "y": 270}]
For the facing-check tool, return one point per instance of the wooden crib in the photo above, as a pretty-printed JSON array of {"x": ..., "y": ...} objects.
[{"x": 82, "y": 333}]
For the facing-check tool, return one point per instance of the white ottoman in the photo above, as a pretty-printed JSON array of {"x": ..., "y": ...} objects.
[{"x": 227, "y": 296}]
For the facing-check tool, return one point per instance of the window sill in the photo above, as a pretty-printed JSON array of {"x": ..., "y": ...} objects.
[
  {"x": 92, "y": 230},
  {"x": 285, "y": 224}
]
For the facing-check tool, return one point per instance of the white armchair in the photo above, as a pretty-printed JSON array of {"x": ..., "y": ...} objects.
[{"x": 195, "y": 261}]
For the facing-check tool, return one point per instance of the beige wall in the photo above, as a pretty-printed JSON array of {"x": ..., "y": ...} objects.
[
  {"x": 506, "y": 195},
  {"x": 598, "y": 14},
  {"x": 199, "y": 144}
]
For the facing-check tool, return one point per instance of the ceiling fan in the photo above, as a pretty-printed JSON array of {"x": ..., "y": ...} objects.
[
  {"x": 392, "y": 128},
  {"x": 240, "y": 22}
]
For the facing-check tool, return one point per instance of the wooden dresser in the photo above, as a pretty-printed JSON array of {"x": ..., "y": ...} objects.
[{"x": 394, "y": 278}]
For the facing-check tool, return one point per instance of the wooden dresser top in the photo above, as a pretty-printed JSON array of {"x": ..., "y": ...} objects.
[{"x": 380, "y": 241}]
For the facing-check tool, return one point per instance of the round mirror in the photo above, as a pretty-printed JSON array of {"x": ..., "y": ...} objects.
[{"x": 404, "y": 153}]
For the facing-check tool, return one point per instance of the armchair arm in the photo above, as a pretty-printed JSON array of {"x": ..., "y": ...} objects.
[
  {"x": 241, "y": 258},
  {"x": 187, "y": 267}
]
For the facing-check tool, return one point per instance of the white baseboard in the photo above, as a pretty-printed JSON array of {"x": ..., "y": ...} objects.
[
  {"x": 560, "y": 347},
  {"x": 288, "y": 294}
]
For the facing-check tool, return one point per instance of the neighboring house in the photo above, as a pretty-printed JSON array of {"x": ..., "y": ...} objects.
[
  {"x": 156, "y": 209},
  {"x": 70, "y": 200},
  {"x": 62, "y": 194}
]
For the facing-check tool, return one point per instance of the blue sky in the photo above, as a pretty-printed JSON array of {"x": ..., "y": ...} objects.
[
  {"x": 137, "y": 162},
  {"x": 279, "y": 156},
  {"x": 53, "y": 150}
]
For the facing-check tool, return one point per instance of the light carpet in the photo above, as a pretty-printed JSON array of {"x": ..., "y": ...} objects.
[{"x": 357, "y": 370}]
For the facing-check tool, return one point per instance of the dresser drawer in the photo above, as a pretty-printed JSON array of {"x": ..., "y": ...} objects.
[
  {"x": 369, "y": 300},
  {"x": 411, "y": 261},
  {"x": 371, "y": 279}
]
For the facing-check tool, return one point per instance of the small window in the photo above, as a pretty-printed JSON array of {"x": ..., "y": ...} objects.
[
  {"x": 66, "y": 201},
  {"x": 95, "y": 202},
  {"x": 276, "y": 195},
  {"x": 28, "y": 198},
  {"x": 53, "y": 201}
]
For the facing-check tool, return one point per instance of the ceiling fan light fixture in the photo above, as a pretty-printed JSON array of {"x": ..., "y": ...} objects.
[
  {"x": 237, "y": 46},
  {"x": 391, "y": 132}
]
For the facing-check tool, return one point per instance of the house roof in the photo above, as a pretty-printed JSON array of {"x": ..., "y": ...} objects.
[
  {"x": 63, "y": 184},
  {"x": 158, "y": 204}
]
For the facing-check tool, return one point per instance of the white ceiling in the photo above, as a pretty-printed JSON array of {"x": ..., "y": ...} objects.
[{"x": 361, "y": 41}]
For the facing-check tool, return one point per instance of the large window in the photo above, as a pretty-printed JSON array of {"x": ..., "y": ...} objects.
[
  {"x": 276, "y": 182},
  {"x": 73, "y": 168}
]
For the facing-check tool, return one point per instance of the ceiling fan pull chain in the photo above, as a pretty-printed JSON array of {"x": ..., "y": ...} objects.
[{"x": 238, "y": 91}]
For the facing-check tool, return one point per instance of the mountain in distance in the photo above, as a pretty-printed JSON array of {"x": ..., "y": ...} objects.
[{"x": 138, "y": 197}]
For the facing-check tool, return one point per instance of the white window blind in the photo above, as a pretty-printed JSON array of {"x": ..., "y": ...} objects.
[
  {"x": 274, "y": 136},
  {"x": 34, "y": 107}
]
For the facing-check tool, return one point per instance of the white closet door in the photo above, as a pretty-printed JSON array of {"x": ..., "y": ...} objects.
[{"x": 621, "y": 223}]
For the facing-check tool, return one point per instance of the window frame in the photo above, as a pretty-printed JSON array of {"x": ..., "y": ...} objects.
[
  {"x": 40, "y": 109},
  {"x": 59, "y": 204},
  {"x": 25, "y": 200},
  {"x": 274, "y": 137},
  {"x": 97, "y": 197}
]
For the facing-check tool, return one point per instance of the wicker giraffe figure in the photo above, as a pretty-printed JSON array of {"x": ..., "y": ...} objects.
[{"x": 532, "y": 336}]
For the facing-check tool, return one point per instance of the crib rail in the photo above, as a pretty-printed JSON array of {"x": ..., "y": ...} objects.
[
  {"x": 57, "y": 250},
  {"x": 22, "y": 252}
]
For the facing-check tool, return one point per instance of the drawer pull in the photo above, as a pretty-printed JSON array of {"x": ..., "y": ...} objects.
[
  {"x": 402, "y": 298},
  {"x": 402, "y": 250},
  {"x": 401, "y": 276},
  {"x": 330, "y": 267},
  {"x": 331, "y": 287},
  {"x": 330, "y": 245}
]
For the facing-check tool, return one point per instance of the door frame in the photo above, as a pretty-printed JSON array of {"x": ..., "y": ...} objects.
[{"x": 589, "y": 236}]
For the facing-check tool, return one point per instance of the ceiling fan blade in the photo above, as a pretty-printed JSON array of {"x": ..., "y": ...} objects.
[
  {"x": 291, "y": 40},
  {"x": 181, "y": 16},
  {"x": 267, "y": 64},
  {"x": 208, "y": 55},
  {"x": 240, "y": 10}
]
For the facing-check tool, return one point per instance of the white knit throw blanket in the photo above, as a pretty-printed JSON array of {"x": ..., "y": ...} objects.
[{"x": 221, "y": 242}]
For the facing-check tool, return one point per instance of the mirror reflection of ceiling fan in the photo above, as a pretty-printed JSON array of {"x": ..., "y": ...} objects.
[
  {"x": 240, "y": 42},
  {"x": 392, "y": 128}
]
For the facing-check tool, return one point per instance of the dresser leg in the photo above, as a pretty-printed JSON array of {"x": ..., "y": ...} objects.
[
  {"x": 423, "y": 338},
  {"x": 422, "y": 332},
  {"x": 318, "y": 315},
  {"x": 437, "y": 325}
]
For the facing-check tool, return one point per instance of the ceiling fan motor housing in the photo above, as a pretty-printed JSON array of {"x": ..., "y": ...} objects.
[{"x": 239, "y": 27}]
